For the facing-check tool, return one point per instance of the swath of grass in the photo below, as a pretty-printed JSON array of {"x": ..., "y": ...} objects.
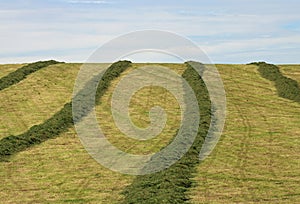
[
  {"x": 36, "y": 98},
  {"x": 286, "y": 87},
  {"x": 59, "y": 171},
  {"x": 291, "y": 71},
  {"x": 171, "y": 185},
  {"x": 260, "y": 167},
  {"x": 20, "y": 74},
  {"x": 141, "y": 102},
  {"x": 257, "y": 157},
  {"x": 61, "y": 121},
  {"x": 5, "y": 69}
]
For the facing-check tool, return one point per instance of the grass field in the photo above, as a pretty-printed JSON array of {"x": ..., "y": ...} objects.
[{"x": 256, "y": 160}]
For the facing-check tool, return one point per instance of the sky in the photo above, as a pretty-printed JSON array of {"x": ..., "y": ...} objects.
[{"x": 228, "y": 31}]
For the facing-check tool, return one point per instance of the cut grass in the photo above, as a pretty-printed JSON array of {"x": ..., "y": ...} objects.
[
  {"x": 140, "y": 104},
  {"x": 5, "y": 69},
  {"x": 59, "y": 171},
  {"x": 36, "y": 98},
  {"x": 21, "y": 73},
  {"x": 171, "y": 184},
  {"x": 257, "y": 158},
  {"x": 291, "y": 71},
  {"x": 62, "y": 120},
  {"x": 286, "y": 87},
  {"x": 77, "y": 189}
]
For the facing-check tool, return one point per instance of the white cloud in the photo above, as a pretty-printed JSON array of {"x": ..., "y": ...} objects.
[
  {"x": 88, "y": 2},
  {"x": 252, "y": 45},
  {"x": 74, "y": 32}
]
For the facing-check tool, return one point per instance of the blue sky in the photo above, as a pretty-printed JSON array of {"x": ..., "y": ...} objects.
[{"x": 228, "y": 31}]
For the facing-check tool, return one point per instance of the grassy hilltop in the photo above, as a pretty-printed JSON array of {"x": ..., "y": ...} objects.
[{"x": 256, "y": 159}]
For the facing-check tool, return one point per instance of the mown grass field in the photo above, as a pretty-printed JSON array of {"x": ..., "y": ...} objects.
[
  {"x": 256, "y": 160},
  {"x": 141, "y": 103},
  {"x": 59, "y": 170}
]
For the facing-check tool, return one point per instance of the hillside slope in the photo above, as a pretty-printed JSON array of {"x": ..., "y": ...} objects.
[{"x": 256, "y": 160}]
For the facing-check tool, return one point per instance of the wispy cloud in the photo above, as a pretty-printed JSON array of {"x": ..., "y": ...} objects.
[
  {"x": 88, "y": 2},
  {"x": 227, "y": 31}
]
